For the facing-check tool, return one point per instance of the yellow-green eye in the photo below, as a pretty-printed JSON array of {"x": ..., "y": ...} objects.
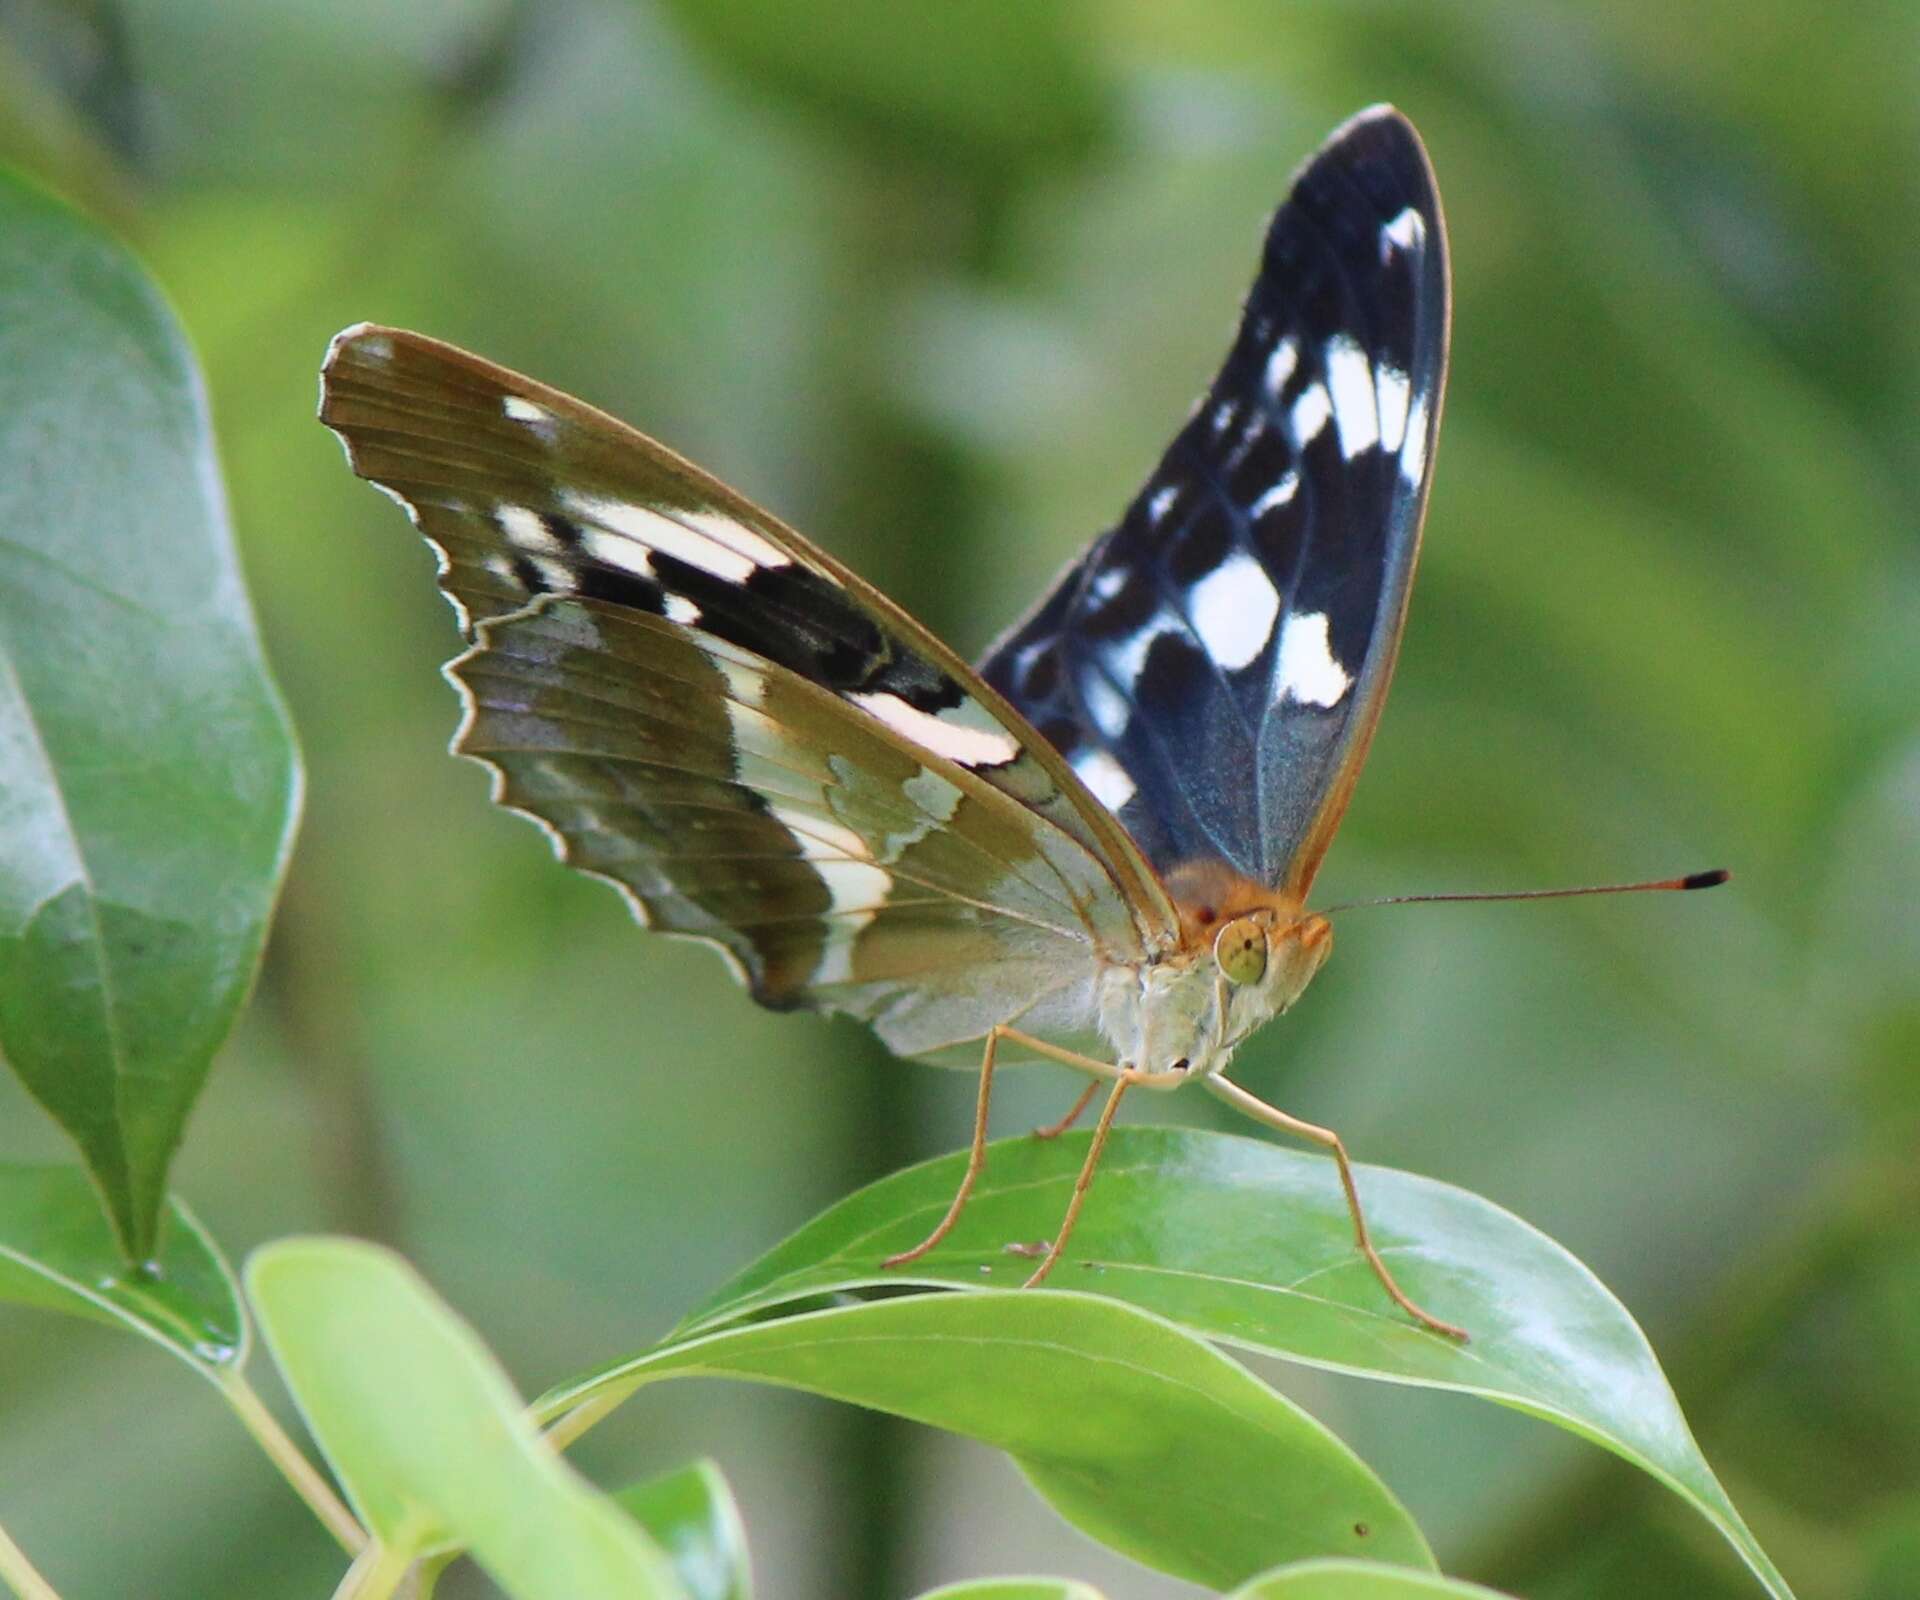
[{"x": 1241, "y": 950}]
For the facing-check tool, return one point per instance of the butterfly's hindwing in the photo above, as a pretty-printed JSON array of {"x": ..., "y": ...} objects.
[
  {"x": 734, "y": 801},
  {"x": 1214, "y": 666}
]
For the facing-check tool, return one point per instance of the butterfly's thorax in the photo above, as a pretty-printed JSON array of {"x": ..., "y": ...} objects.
[{"x": 1181, "y": 1011}]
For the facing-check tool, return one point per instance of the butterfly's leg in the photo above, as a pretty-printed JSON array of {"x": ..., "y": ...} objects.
[
  {"x": 976, "y": 1159},
  {"x": 1260, "y": 1111},
  {"x": 1085, "y": 1181},
  {"x": 1053, "y": 1130},
  {"x": 1093, "y": 1066},
  {"x": 1122, "y": 1079}
]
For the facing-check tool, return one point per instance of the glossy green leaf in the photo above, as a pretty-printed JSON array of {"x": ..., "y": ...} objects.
[
  {"x": 1249, "y": 1243},
  {"x": 58, "y": 1253},
  {"x": 426, "y": 1434},
  {"x": 692, "y": 1515},
  {"x": 1015, "y": 1589},
  {"x": 1358, "y": 1580},
  {"x": 1138, "y": 1434},
  {"x": 150, "y": 775}
]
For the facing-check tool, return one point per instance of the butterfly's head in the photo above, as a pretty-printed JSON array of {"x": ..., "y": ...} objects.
[
  {"x": 1253, "y": 947},
  {"x": 1266, "y": 957},
  {"x": 1242, "y": 960},
  {"x": 1265, "y": 946}
]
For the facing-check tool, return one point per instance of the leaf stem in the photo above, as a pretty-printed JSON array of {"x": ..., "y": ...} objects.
[
  {"x": 294, "y": 1466},
  {"x": 572, "y": 1424},
  {"x": 19, "y": 1574},
  {"x": 375, "y": 1574}
]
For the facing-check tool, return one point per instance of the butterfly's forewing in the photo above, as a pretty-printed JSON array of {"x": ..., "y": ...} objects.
[
  {"x": 757, "y": 748},
  {"x": 1214, "y": 666},
  {"x": 526, "y": 491}
]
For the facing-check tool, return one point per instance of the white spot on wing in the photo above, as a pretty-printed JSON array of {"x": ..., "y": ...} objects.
[
  {"x": 1109, "y": 583},
  {"x": 1310, "y": 413},
  {"x": 1280, "y": 365},
  {"x": 1407, "y": 231},
  {"x": 682, "y": 610},
  {"x": 712, "y": 543},
  {"x": 1284, "y": 488},
  {"x": 1355, "y": 406},
  {"x": 1249, "y": 436},
  {"x": 1233, "y": 608},
  {"x": 1106, "y": 705},
  {"x": 822, "y": 839},
  {"x": 856, "y": 887},
  {"x": 1393, "y": 389},
  {"x": 762, "y": 552},
  {"x": 525, "y": 530},
  {"x": 745, "y": 685},
  {"x": 657, "y": 532},
  {"x": 1105, "y": 778},
  {"x": 1413, "y": 458},
  {"x": 1130, "y": 654},
  {"x": 521, "y": 409},
  {"x": 614, "y": 551},
  {"x": 1161, "y": 502},
  {"x": 1308, "y": 672},
  {"x": 555, "y": 577},
  {"x": 968, "y": 746}
]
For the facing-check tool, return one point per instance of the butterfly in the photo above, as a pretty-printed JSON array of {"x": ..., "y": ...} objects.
[{"x": 1095, "y": 848}]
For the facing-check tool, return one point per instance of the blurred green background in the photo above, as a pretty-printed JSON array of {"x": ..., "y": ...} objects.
[{"x": 936, "y": 283}]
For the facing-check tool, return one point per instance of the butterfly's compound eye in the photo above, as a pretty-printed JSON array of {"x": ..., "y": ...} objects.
[{"x": 1240, "y": 951}]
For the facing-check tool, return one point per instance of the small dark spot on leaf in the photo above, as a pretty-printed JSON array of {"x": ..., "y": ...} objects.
[{"x": 1361, "y": 1530}]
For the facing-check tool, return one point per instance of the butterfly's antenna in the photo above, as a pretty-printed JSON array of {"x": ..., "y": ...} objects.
[{"x": 1693, "y": 880}]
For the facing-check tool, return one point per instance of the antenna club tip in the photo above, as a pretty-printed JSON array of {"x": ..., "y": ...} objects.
[{"x": 1705, "y": 880}]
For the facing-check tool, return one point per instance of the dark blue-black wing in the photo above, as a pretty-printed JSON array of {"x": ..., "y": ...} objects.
[{"x": 1214, "y": 666}]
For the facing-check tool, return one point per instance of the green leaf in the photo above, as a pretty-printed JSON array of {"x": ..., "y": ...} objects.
[
  {"x": 692, "y": 1515},
  {"x": 1358, "y": 1580},
  {"x": 57, "y": 1253},
  {"x": 1015, "y": 1589},
  {"x": 427, "y": 1435},
  {"x": 1249, "y": 1243},
  {"x": 150, "y": 775},
  {"x": 1138, "y": 1434}
]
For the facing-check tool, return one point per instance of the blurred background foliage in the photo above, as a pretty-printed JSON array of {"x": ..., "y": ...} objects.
[{"x": 936, "y": 283}]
